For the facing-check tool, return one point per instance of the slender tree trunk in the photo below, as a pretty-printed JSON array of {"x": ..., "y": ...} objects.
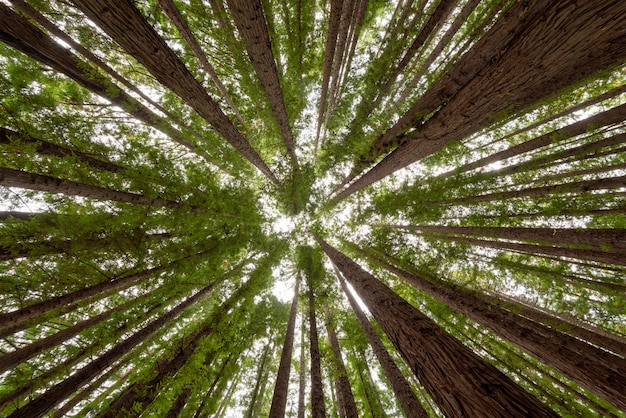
[
  {"x": 401, "y": 387},
  {"x": 592, "y": 368},
  {"x": 317, "y": 393},
  {"x": 229, "y": 395},
  {"x": 59, "y": 392},
  {"x": 605, "y": 239},
  {"x": 250, "y": 21},
  {"x": 38, "y": 182},
  {"x": 257, "y": 383},
  {"x": 524, "y": 57},
  {"x": 8, "y": 136},
  {"x": 606, "y": 118},
  {"x": 19, "y": 33},
  {"x": 281, "y": 390},
  {"x": 125, "y": 24},
  {"x": 344, "y": 393},
  {"x": 302, "y": 374},
  {"x": 175, "y": 16},
  {"x": 461, "y": 383}
]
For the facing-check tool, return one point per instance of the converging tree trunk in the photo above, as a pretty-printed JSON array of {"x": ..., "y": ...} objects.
[
  {"x": 461, "y": 383},
  {"x": 318, "y": 410}
]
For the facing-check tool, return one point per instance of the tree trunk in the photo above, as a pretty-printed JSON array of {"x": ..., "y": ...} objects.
[
  {"x": 281, "y": 390},
  {"x": 317, "y": 393},
  {"x": 250, "y": 22},
  {"x": 13, "y": 319},
  {"x": 125, "y": 24},
  {"x": 401, "y": 387},
  {"x": 302, "y": 374},
  {"x": 41, "y": 183},
  {"x": 606, "y": 118},
  {"x": 17, "y": 32},
  {"x": 177, "y": 19},
  {"x": 592, "y": 368},
  {"x": 605, "y": 239},
  {"x": 533, "y": 50},
  {"x": 59, "y": 392},
  {"x": 257, "y": 383},
  {"x": 461, "y": 383},
  {"x": 344, "y": 392}
]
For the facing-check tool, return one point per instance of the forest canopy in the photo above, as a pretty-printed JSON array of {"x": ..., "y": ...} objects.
[{"x": 357, "y": 208}]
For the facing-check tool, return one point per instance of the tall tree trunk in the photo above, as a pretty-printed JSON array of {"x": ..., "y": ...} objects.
[
  {"x": 59, "y": 392},
  {"x": 257, "y": 382},
  {"x": 603, "y": 239},
  {"x": 524, "y": 57},
  {"x": 177, "y": 19},
  {"x": 317, "y": 392},
  {"x": 125, "y": 24},
  {"x": 250, "y": 21},
  {"x": 11, "y": 320},
  {"x": 19, "y": 33},
  {"x": 460, "y": 382},
  {"x": 344, "y": 393},
  {"x": 401, "y": 387},
  {"x": 606, "y": 118},
  {"x": 279, "y": 400},
  {"x": 302, "y": 373},
  {"x": 41, "y": 183},
  {"x": 592, "y": 368}
]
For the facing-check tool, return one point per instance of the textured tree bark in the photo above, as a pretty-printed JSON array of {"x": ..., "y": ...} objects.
[
  {"x": 607, "y": 118},
  {"x": 534, "y": 50},
  {"x": 600, "y": 239},
  {"x": 19, "y": 33},
  {"x": 318, "y": 409},
  {"x": 591, "y": 367},
  {"x": 176, "y": 17},
  {"x": 344, "y": 392},
  {"x": 8, "y": 136},
  {"x": 38, "y": 182},
  {"x": 461, "y": 383},
  {"x": 250, "y": 21},
  {"x": 279, "y": 400},
  {"x": 301, "y": 374},
  {"x": 618, "y": 257},
  {"x": 401, "y": 387},
  {"x": 11, "y": 360},
  {"x": 39, "y": 406},
  {"x": 125, "y": 24}
]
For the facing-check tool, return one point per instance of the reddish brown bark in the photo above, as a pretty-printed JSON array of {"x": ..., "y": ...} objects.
[
  {"x": 318, "y": 410},
  {"x": 176, "y": 17},
  {"x": 19, "y": 33},
  {"x": 40, "y": 405},
  {"x": 279, "y": 400},
  {"x": 125, "y": 24},
  {"x": 607, "y": 239},
  {"x": 345, "y": 397},
  {"x": 250, "y": 21},
  {"x": 592, "y": 368},
  {"x": 534, "y": 50},
  {"x": 461, "y": 383},
  {"x": 401, "y": 387},
  {"x": 38, "y": 182}
]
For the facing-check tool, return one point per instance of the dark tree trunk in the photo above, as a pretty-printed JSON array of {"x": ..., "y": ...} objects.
[
  {"x": 534, "y": 50},
  {"x": 302, "y": 372},
  {"x": 125, "y": 24},
  {"x": 279, "y": 400},
  {"x": 344, "y": 392},
  {"x": 401, "y": 387},
  {"x": 250, "y": 21},
  {"x": 17, "y": 32},
  {"x": 41, "y": 183},
  {"x": 461, "y": 383},
  {"x": 318, "y": 409},
  {"x": 39, "y": 406},
  {"x": 175, "y": 16},
  {"x": 592, "y": 368},
  {"x": 257, "y": 383}
]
